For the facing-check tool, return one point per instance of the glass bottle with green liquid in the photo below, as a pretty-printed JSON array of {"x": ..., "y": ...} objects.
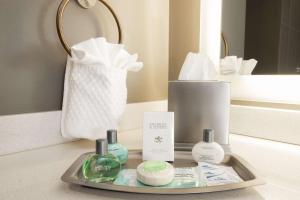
[{"x": 102, "y": 166}]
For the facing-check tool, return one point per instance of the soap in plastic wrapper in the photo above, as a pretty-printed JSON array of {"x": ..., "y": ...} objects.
[{"x": 184, "y": 178}]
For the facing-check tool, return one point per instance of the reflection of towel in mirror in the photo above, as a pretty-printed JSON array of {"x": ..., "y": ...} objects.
[
  {"x": 248, "y": 66},
  {"x": 95, "y": 91},
  {"x": 234, "y": 65},
  {"x": 230, "y": 65},
  {"x": 197, "y": 66}
]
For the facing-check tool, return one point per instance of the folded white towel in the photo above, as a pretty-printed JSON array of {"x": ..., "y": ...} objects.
[
  {"x": 95, "y": 91},
  {"x": 230, "y": 65},
  {"x": 237, "y": 66},
  {"x": 248, "y": 66}
]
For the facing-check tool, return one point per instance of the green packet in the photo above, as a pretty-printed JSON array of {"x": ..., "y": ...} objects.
[{"x": 184, "y": 178}]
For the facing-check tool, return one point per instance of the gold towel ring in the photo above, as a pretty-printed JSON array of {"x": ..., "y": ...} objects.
[
  {"x": 226, "y": 48},
  {"x": 59, "y": 25}
]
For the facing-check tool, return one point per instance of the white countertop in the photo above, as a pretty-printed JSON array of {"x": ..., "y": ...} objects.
[{"x": 36, "y": 174}]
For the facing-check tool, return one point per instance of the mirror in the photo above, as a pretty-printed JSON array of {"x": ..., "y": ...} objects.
[{"x": 265, "y": 30}]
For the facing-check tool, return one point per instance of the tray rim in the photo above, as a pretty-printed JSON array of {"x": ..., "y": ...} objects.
[{"x": 68, "y": 178}]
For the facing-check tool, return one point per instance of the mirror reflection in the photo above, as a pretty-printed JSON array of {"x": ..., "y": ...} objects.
[{"x": 266, "y": 31}]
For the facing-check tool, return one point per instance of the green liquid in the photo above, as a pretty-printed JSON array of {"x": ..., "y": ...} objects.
[{"x": 101, "y": 168}]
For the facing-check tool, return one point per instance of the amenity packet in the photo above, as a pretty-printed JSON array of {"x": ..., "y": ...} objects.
[{"x": 217, "y": 174}]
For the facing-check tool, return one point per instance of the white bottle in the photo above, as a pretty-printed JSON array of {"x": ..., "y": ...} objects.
[{"x": 208, "y": 150}]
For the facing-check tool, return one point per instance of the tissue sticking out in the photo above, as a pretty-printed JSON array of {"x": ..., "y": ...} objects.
[
  {"x": 198, "y": 66},
  {"x": 234, "y": 65}
]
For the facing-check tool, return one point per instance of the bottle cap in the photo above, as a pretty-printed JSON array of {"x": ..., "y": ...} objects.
[
  {"x": 208, "y": 135},
  {"x": 112, "y": 136},
  {"x": 101, "y": 147}
]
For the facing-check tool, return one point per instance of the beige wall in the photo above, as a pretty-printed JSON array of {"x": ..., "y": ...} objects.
[
  {"x": 184, "y": 33},
  {"x": 146, "y": 31}
]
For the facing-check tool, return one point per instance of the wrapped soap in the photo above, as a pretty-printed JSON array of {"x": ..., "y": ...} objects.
[{"x": 155, "y": 173}]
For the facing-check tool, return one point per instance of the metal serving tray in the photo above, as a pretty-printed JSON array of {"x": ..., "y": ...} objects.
[{"x": 182, "y": 159}]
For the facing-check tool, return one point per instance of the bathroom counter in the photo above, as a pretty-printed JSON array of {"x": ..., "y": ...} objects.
[{"x": 36, "y": 174}]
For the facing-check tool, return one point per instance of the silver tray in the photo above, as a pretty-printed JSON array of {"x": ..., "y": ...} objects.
[{"x": 182, "y": 159}]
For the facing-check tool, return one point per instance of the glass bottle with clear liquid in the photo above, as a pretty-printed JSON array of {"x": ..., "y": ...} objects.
[{"x": 102, "y": 166}]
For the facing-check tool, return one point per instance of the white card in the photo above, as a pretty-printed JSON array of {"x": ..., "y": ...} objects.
[{"x": 158, "y": 136}]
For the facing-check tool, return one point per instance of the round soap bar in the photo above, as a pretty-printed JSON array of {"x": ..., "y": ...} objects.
[{"x": 155, "y": 173}]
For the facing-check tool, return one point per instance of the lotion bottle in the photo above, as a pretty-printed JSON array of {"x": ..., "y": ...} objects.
[{"x": 208, "y": 150}]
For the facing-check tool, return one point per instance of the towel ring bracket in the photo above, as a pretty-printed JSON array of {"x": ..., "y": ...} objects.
[{"x": 59, "y": 25}]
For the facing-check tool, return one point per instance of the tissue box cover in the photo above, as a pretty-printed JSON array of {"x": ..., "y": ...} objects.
[{"x": 198, "y": 105}]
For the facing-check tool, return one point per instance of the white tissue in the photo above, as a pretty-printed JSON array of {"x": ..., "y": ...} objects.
[
  {"x": 95, "y": 91},
  {"x": 237, "y": 66},
  {"x": 198, "y": 67},
  {"x": 248, "y": 66}
]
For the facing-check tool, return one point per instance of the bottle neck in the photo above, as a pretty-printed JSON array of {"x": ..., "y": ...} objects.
[
  {"x": 101, "y": 147},
  {"x": 208, "y": 142},
  {"x": 112, "y": 136},
  {"x": 112, "y": 143}
]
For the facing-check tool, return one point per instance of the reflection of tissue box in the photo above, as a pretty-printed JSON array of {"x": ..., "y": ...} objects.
[{"x": 198, "y": 105}]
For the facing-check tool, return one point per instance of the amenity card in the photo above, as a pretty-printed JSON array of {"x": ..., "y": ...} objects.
[{"x": 158, "y": 136}]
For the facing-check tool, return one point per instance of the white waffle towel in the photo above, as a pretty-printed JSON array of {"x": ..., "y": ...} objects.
[{"x": 95, "y": 91}]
